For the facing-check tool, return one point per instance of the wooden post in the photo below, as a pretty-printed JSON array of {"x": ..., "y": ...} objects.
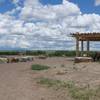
[
  {"x": 77, "y": 47},
  {"x": 82, "y": 48},
  {"x": 88, "y": 48}
]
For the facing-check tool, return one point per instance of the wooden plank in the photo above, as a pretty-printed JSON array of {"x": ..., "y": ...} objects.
[
  {"x": 82, "y": 48},
  {"x": 88, "y": 48},
  {"x": 87, "y": 36},
  {"x": 77, "y": 47}
]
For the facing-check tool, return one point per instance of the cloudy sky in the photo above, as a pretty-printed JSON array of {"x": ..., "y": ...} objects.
[{"x": 46, "y": 24}]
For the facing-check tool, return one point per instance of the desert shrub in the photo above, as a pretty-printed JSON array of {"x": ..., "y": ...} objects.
[{"x": 39, "y": 67}]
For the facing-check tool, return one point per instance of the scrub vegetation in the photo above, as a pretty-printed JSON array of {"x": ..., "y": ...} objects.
[
  {"x": 39, "y": 67},
  {"x": 76, "y": 93}
]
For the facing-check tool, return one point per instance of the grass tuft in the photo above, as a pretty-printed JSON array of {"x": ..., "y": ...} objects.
[
  {"x": 39, "y": 67},
  {"x": 51, "y": 82}
]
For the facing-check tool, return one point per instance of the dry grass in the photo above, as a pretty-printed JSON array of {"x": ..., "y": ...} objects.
[{"x": 75, "y": 92}]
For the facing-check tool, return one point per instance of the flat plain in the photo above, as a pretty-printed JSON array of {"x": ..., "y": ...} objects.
[{"x": 19, "y": 82}]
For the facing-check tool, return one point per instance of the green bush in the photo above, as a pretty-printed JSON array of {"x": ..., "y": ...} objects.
[
  {"x": 9, "y": 52},
  {"x": 39, "y": 67},
  {"x": 61, "y": 53},
  {"x": 51, "y": 53},
  {"x": 36, "y": 53}
]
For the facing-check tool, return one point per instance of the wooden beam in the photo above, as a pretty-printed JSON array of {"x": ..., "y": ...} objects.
[
  {"x": 88, "y": 47},
  {"x": 87, "y": 36},
  {"x": 77, "y": 47},
  {"x": 82, "y": 48}
]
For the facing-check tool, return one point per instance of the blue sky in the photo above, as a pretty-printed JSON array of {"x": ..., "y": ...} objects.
[
  {"x": 6, "y": 5},
  {"x": 86, "y": 6},
  {"x": 46, "y": 24},
  {"x": 51, "y": 1}
]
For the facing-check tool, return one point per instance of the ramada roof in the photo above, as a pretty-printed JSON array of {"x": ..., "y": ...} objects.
[{"x": 86, "y": 36}]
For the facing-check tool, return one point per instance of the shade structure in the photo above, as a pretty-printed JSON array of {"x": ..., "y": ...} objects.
[{"x": 85, "y": 37}]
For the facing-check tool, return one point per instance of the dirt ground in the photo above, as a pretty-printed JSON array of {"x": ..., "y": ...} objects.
[{"x": 18, "y": 81}]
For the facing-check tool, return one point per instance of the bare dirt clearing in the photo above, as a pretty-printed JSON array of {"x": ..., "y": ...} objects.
[{"x": 19, "y": 82}]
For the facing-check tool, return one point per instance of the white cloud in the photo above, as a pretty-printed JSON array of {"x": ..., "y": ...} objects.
[
  {"x": 35, "y": 10},
  {"x": 45, "y": 27},
  {"x": 15, "y": 1},
  {"x": 97, "y": 2}
]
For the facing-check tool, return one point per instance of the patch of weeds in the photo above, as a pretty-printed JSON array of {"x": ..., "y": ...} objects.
[
  {"x": 82, "y": 93},
  {"x": 55, "y": 67},
  {"x": 39, "y": 67},
  {"x": 70, "y": 84},
  {"x": 75, "y": 92},
  {"x": 62, "y": 65},
  {"x": 84, "y": 66},
  {"x": 74, "y": 63},
  {"x": 75, "y": 68},
  {"x": 51, "y": 82}
]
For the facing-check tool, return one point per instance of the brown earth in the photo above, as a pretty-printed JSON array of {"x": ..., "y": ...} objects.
[{"x": 18, "y": 81}]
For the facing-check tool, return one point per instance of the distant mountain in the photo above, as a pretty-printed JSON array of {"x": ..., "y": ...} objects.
[{"x": 10, "y": 48}]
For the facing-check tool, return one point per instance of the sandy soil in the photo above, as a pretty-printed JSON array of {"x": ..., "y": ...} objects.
[{"x": 18, "y": 81}]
